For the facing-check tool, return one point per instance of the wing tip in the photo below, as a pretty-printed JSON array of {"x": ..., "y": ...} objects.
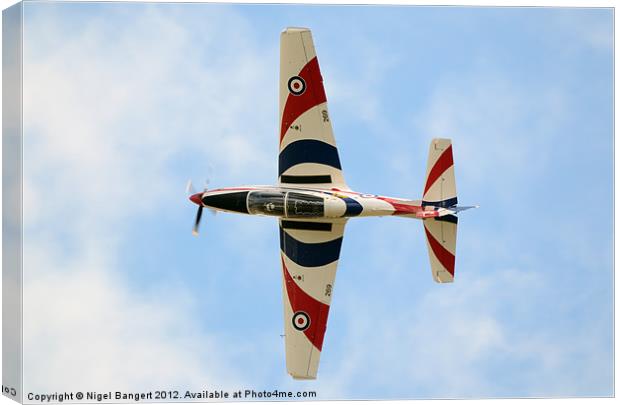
[
  {"x": 303, "y": 377},
  {"x": 443, "y": 279},
  {"x": 294, "y": 30}
]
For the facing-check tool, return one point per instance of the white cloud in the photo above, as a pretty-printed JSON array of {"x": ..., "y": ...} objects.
[
  {"x": 85, "y": 329},
  {"x": 471, "y": 339},
  {"x": 106, "y": 109},
  {"x": 109, "y": 116}
]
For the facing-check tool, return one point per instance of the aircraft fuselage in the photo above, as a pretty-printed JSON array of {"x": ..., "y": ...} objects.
[{"x": 310, "y": 204}]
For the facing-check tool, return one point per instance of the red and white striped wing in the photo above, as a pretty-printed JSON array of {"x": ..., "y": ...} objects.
[
  {"x": 309, "y": 263},
  {"x": 308, "y": 152}
]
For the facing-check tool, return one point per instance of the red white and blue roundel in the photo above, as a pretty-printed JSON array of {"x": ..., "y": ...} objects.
[
  {"x": 301, "y": 321},
  {"x": 296, "y": 85}
]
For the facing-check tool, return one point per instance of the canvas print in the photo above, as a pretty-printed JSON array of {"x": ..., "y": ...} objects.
[{"x": 212, "y": 202}]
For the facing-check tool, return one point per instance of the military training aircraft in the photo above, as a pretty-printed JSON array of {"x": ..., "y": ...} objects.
[{"x": 313, "y": 204}]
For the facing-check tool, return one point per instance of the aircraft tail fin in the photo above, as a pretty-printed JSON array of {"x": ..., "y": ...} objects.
[{"x": 440, "y": 185}]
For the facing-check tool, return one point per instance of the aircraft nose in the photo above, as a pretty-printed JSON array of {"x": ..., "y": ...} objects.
[{"x": 196, "y": 198}]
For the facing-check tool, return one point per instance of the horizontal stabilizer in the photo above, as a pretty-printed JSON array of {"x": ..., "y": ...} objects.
[
  {"x": 441, "y": 243},
  {"x": 440, "y": 185}
]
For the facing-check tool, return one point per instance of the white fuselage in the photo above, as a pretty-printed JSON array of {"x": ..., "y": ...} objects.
[{"x": 309, "y": 203}]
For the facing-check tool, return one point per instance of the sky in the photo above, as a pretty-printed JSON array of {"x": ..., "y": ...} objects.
[{"x": 124, "y": 102}]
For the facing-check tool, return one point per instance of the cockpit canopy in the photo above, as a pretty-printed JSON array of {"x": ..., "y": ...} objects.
[
  {"x": 266, "y": 203},
  {"x": 289, "y": 204}
]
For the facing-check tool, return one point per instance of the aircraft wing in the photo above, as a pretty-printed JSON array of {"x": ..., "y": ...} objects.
[
  {"x": 309, "y": 253},
  {"x": 308, "y": 152}
]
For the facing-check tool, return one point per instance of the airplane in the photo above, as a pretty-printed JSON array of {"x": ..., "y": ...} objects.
[{"x": 313, "y": 204}]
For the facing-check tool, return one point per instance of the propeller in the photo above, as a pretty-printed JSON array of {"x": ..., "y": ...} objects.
[
  {"x": 189, "y": 189},
  {"x": 197, "y": 222},
  {"x": 196, "y": 198}
]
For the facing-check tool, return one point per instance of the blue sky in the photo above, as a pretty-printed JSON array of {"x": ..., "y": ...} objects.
[{"x": 123, "y": 103}]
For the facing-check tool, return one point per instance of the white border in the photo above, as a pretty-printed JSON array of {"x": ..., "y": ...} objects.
[{"x": 478, "y": 3}]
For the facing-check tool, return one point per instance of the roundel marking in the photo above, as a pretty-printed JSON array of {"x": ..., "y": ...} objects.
[
  {"x": 296, "y": 85},
  {"x": 301, "y": 321}
]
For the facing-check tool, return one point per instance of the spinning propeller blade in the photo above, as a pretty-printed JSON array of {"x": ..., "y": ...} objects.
[
  {"x": 196, "y": 198},
  {"x": 189, "y": 189},
  {"x": 197, "y": 222}
]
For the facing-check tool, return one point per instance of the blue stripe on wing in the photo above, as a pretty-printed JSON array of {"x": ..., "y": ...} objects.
[
  {"x": 309, "y": 254},
  {"x": 308, "y": 151}
]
